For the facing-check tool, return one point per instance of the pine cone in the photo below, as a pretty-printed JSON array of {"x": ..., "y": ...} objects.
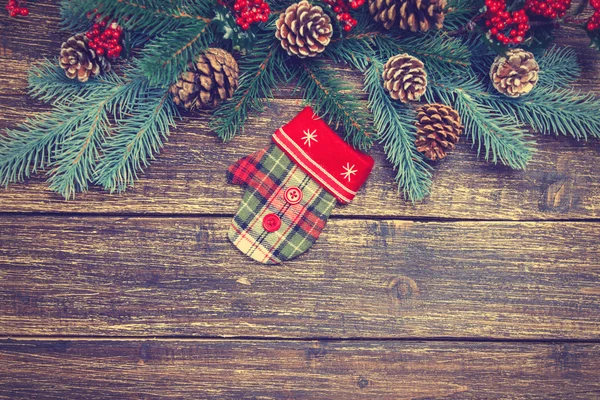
[
  {"x": 514, "y": 74},
  {"x": 416, "y": 15},
  {"x": 211, "y": 78},
  {"x": 304, "y": 30},
  {"x": 404, "y": 76},
  {"x": 438, "y": 129},
  {"x": 79, "y": 61}
]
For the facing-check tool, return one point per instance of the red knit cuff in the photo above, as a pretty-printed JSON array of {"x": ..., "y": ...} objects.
[{"x": 321, "y": 153}]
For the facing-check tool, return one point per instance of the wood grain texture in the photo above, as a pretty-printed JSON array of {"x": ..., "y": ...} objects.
[
  {"x": 363, "y": 278},
  {"x": 561, "y": 183},
  {"x": 297, "y": 370}
]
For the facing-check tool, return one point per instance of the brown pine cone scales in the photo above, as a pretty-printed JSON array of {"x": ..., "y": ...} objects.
[
  {"x": 79, "y": 61},
  {"x": 210, "y": 79},
  {"x": 438, "y": 130},
  {"x": 413, "y": 15},
  {"x": 515, "y": 74},
  {"x": 304, "y": 30},
  {"x": 404, "y": 76}
]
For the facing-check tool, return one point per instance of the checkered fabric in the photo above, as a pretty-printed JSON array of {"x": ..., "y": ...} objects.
[{"x": 267, "y": 174}]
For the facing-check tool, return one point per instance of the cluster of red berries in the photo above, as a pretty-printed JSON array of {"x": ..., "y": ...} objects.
[
  {"x": 248, "y": 12},
  {"x": 507, "y": 27},
  {"x": 16, "y": 7},
  {"x": 342, "y": 9},
  {"x": 593, "y": 22},
  {"x": 548, "y": 8},
  {"x": 105, "y": 37}
]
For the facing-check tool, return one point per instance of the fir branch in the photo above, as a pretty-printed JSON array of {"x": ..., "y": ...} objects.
[
  {"x": 260, "y": 72},
  {"x": 156, "y": 17},
  {"x": 396, "y": 132},
  {"x": 496, "y": 134},
  {"x": 553, "y": 111},
  {"x": 558, "y": 67},
  {"x": 137, "y": 138},
  {"x": 30, "y": 147},
  {"x": 329, "y": 96},
  {"x": 460, "y": 12},
  {"x": 164, "y": 58},
  {"x": 74, "y": 162},
  {"x": 48, "y": 83},
  {"x": 440, "y": 53},
  {"x": 74, "y": 14}
]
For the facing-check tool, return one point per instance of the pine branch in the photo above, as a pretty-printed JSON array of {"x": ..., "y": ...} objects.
[
  {"x": 137, "y": 138},
  {"x": 440, "y": 53},
  {"x": 460, "y": 13},
  {"x": 558, "y": 67},
  {"x": 164, "y": 58},
  {"x": 330, "y": 97},
  {"x": 260, "y": 72},
  {"x": 396, "y": 132},
  {"x": 48, "y": 83},
  {"x": 156, "y": 17},
  {"x": 553, "y": 111},
  {"x": 498, "y": 135}
]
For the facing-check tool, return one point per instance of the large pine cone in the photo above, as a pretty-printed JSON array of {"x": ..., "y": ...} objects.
[
  {"x": 438, "y": 129},
  {"x": 304, "y": 30},
  {"x": 404, "y": 76},
  {"x": 210, "y": 79},
  {"x": 416, "y": 15},
  {"x": 79, "y": 61},
  {"x": 514, "y": 74}
]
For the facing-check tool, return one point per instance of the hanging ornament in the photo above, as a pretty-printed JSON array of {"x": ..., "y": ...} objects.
[
  {"x": 210, "y": 79},
  {"x": 438, "y": 130},
  {"x": 515, "y": 73},
  {"x": 304, "y": 30},
  {"x": 405, "y": 78}
]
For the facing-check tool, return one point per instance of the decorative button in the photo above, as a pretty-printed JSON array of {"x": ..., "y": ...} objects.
[
  {"x": 293, "y": 195},
  {"x": 271, "y": 222}
]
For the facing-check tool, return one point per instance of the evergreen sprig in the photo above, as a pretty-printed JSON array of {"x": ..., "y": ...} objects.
[
  {"x": 164, "y": 58},
  {"x": 497, "y": 136},
  {"x": 397, "y": 130},
  {"x": 135, "y": 141},
  {"x": 261, "y": 70},
  {"x": 331, "y": 97}
]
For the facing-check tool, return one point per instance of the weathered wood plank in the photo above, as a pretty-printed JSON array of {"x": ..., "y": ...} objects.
[
  {"x": 297, "y": 370},
  {"x": 363, "y": 278},
  {"x": 561, "y": 183}
]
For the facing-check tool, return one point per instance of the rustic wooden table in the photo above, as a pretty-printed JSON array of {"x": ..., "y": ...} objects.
[{"x": 488, "y": 289}]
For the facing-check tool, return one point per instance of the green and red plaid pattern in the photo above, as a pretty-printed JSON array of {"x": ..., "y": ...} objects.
[{"x": 267, "y": 174}]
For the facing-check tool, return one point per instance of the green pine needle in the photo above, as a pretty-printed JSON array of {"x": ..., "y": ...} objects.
[
  {"x": 331, "y": 97},
  {"x": 260, "y": 71},
  {"x": 497, "y": 136},
  {"x": 164, "y": 58},
  {"x": 397, "y": 130},
  {"x": 136, "y": 140}
]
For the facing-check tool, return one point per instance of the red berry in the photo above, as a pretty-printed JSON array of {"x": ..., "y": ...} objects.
[{"x": 100, "y": 51}]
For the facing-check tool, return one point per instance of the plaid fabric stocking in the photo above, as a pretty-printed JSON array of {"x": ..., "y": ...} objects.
[{"x": 292, "y": 187}]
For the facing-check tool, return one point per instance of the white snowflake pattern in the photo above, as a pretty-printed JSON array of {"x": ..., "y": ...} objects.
[
  {"x": 309, "y": 137},
  {"x": 349, "y": 171}
]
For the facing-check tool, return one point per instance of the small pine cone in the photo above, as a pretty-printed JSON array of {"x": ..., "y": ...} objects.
[
  {"x": 210, "y": 79},
  {"x": 404, "y": 76},
  {"x": 414, "y": 15},
  {"x": 438, "y": 129},
  {"x": 79, "y": 61},
  {"x": 304, "y": 30},
  {"x": 515, "y": 74}
]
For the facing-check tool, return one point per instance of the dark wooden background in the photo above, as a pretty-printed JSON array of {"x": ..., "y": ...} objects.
[{"x": 488, "y": 289}]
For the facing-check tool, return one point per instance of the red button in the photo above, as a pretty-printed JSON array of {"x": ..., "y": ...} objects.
[
  {"x": 293, "y": 195},
  {"x": 271, "y": 222}
]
